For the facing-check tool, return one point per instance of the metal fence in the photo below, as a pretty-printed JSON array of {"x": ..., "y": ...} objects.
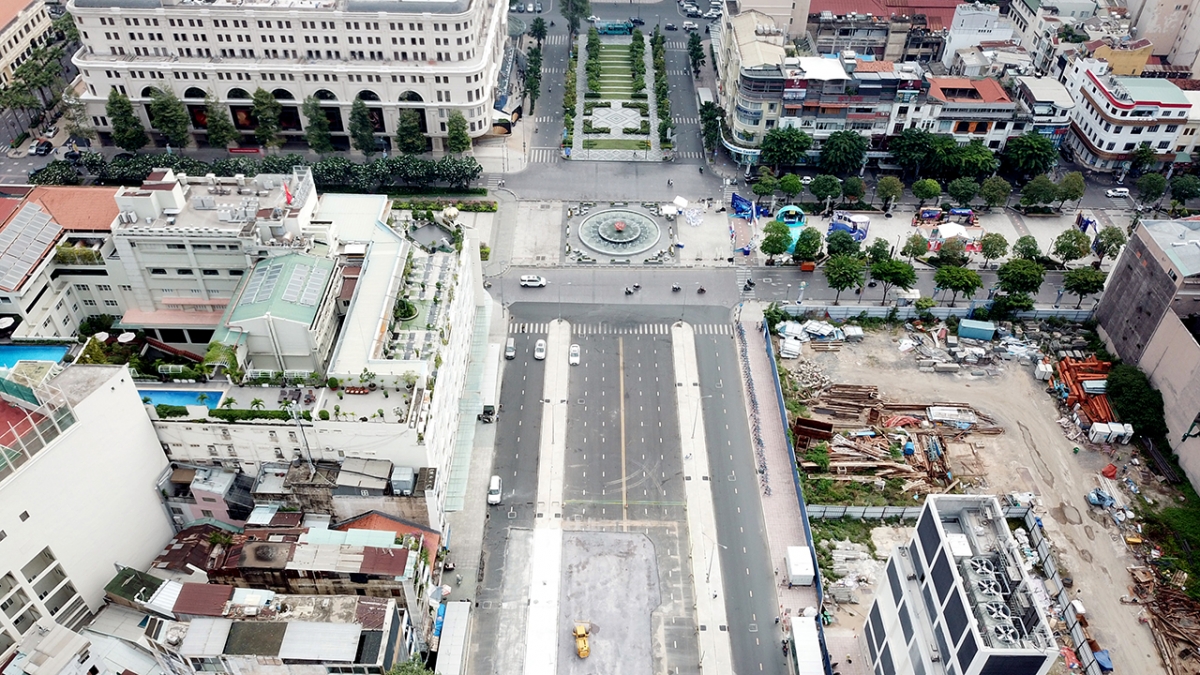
[
  {"x": 905, "y": 313},
  {"x": 808, "y": 538},
  {"x": 833, "y": 512},
  {"x": 1050, "y": 570}
]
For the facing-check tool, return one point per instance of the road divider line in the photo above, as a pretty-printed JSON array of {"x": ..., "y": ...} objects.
[
  {"x": 621, "y": 398},
  {"x": 716, "y": 654}
]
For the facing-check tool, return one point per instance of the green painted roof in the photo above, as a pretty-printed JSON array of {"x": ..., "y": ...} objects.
[
  {"x": 288, "y": 287},
  {"x": 131, "y": 584},
  {"x": 1152, "y": 89}
]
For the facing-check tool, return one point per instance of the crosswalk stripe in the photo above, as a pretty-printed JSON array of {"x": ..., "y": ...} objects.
[
  {"x": 543, "y": 155},
  {"x": 639, "y": 329}
]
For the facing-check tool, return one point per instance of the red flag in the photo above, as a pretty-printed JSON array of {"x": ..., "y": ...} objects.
[{"x": 287, "y": 193}]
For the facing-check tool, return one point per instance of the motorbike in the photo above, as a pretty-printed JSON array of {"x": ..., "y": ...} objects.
[
  {"x": 701, "y": 290},
  {"x": 637, "y": 287},
  {"x": 628, "y": 291},
  {"x": 675, "y": 288}
]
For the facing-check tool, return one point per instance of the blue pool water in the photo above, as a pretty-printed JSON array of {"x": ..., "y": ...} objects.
[
  {"x": 10, "y": 354},
  {"x": 180, "y": 397}
]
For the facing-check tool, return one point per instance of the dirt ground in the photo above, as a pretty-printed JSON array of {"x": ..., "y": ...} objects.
[{"x": 1033, "y": 455}]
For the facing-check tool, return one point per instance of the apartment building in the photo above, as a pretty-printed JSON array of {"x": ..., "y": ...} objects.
[
  {"x": 1046, "y": 105},
  {"x": 1114, "y": 115},
  {"x": 791, "y": 17},
  {"x": 27, "y": 26},
  {"x": 437, "y": 57},
  {"x": 957, "y": 598},
  {"x": 89, "y": 434},
  {"x": 998, "y": 60},
  {"x": 1150, "y": 316},
  {"x": 892, "y": 38},
  {"x": 973, "y": 110},
  {"x": 1188, "y": 144},
  {"x": 1038, "y": 25},
  {"x": 53, "y": 649},
  {"x": 974, "y": 23}
]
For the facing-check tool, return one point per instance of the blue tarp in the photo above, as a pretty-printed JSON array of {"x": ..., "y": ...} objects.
[
  {"x": 441, "y": 616},
  {"x": 740, "y": 204},
  {"x": 1104, "y": 660}
]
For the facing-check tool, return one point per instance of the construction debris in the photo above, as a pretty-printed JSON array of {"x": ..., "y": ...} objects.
[{"x": 1173, "y": 617}]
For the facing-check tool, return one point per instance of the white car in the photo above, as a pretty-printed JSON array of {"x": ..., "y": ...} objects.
[
  {"x": 1117, "y": 193},
  {"x": 806, "y": 180},
  {"x": 690, "y": 26},
  {"x": 712, "y": 14},
  {"x": 573, "y": 358},
  {"x": 539, "y": 350},
  {"x": 593, "y": 19},
  {"x": 33, "y": 143},
  {"x": 533, "y": 281}
]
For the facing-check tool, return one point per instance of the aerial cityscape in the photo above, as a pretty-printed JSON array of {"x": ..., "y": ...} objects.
[{"x": 563, "y": 337}]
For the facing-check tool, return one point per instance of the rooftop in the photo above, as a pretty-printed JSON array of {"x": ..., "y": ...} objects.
[
  {"x": 288, "y": 287},
  {"x": 132, "y": 585},
  {"x": 190, "y": 548},
  {"x": 759, "y": 41},
  {"x": 1147, "y": 90},
  {"x": 966, "y": 90},
  {"x": 1179, "y": 240},
  {"x": 358, "y": 472},
  {"x": 49, "y": 649},
  {"x": 815, "y": 68},
  {"x": 373, "y": 6},
  {"x": 1045, "y": 89},
  {"x": 78, "y": 208},
  {"x": 11, "y": 9},
  {"x": 938, "y": 13}
]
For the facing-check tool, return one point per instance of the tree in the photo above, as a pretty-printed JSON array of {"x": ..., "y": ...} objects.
[
  {"x": 952, "y": 252},
  {"x": 219, "y": 128},
  {"x": 1185, "y": 187},
  {"x": 843, "y": 152},
  {"x": 992, "y": 246},
  {"x": 1040, "y": 190},
  {"x": 1071, "y": 245},
  {"x": 533, "y": 77},
  {"x": 1071, "y": 188},
  {"x": 362, "y": 132},
  {"x": 1150, "y": 187},
  {"x": 915, "y": 247},
  {"x": 75, "y": 117},
  {"x": 1029, "y": 154},
  {"x": 1142, "y": 158},
  {"x": 266, "y": 111},
  {"x": 910, "y": 149},
  {"x": 963, "y": 190},
  {"x": 574, "y": 11},
  {"x": 790, "y": 186},
  {"x": 1083, "y": 282},
  {"x": 537, "y": 30},
  {"x": 257, "y": 404},
  {"x": 766, "y": 184},
  {"x": 695, "y": 49},
  {"x": 65, "y": 26},
  {"x": 458, "y": 172},
  {"x": 926, "y": 188},
  {"x": 973, "y": 160},
  {"x": 889, "y": 189},
  {"x": 1026, "y": 248},
  {"x": 316, "y": 127},
  {"x": 711, "y": 119},
  {"x": 776, "y": 240},
  {"x": 995, "y": 191},
  {"x": 825, "y": 188},
  {"x": 409, "y": 138},
  {"x": 457, "y": 140},
  {"x": 1109, "y": 240},
  {"x": 127, "y": 130},
  {"x": 1020, "y": 276},
  {"x": 410, "y": 667},
  {"x": 842, "y": 272},
  {"x": 841, "y": 243},
  {"x": 1136, "y": 401},
  {"x": 959, "y": 280},
  {"x": 169, "y": 117},
  {"x": 58, "y": 172},
  {"x": 808, "y": 245},
  {"x": 783, "y": 146},
  {"x": 893, "y": 274},
  {"x": 878, "y": 251},
  {"x": 853, "y": 188}
]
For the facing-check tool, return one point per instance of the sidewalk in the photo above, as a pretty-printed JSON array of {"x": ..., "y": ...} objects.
[{"x": 781, "y": 509}]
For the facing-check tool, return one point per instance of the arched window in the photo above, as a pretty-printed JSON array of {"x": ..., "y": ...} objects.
[
  {"x": 238, "y": 93},
  {"x": 194, "y": 92},
  {"x": 325, "y": 95},
  {"x": 368, "y": 95},
  {"x": 150, "y": 91},
  {"x": 411, "y": 97},
  {"x": 283, "y": 95}
]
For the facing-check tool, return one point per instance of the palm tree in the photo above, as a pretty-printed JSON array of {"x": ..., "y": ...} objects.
[
  {"x": 229, "y": 403},
  {"x": 202, "y": 398},
  {"x": 257, "y": 404}
]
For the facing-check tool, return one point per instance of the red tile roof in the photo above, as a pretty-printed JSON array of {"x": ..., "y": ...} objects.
[
  {"x": 89, "y": 209},
  {"x": 374, "y": 520},
  {"x": 189, "y": 548},
  {"x": 966, "y": 90},
  {"x": 202, "y": 599}
]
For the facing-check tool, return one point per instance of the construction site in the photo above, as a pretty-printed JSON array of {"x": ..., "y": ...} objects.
[{"x": 876, "y": 424}]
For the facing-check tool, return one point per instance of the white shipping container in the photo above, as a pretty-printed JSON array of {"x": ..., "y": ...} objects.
[
  {"x": 1127, "y": 433},
  {"x": 1099, "y": 433},
  {"x": 799, "y": 565}
]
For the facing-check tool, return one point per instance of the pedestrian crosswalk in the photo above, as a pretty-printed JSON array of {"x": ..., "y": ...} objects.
[
  {"x": 493, "y": 181},
  {"x": 676, "y": 44},
  {"x": 686, "y": 120},
  {"x": 559, "y": 39},
  {"x": 687, "y": 154},
  {"x": 543, "y": 155},
  {"x": 520, "y": 328},
  {"x": 545, "y": 118},
  {"x": 553, "y": 71},
  {"x": 671, "y": 71}
]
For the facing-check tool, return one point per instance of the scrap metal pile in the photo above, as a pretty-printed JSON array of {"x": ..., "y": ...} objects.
[{"x": 1173, "y": 617}]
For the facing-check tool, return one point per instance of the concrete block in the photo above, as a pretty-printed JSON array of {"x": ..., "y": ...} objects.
[{"x": 947, "y": 368}]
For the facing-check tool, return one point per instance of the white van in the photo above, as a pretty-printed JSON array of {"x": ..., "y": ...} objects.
[
  {"x": 510, "y": 349},
  {"x": 495, "y": 487}
]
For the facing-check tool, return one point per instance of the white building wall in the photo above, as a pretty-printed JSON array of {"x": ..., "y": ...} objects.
[
  {"x": 89, "y": 498},
  {"x": 973, "y": 23}
]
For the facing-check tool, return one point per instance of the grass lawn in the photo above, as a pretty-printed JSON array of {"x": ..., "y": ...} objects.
[{"x": 615, "y": 144}]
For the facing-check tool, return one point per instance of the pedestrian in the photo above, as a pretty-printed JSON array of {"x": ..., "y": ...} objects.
[
  {"x": 714, "y": 595},
  {"x": 776, "y": 621},
  {"x": 849, "y": 660}
]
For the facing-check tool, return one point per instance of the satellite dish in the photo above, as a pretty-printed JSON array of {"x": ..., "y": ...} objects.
[
  {"x": 101, "y": 337},
  {"x": 125, "y": 338}
]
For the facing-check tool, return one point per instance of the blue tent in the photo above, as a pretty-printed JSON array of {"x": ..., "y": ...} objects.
[{"x": 790, "y": 215}]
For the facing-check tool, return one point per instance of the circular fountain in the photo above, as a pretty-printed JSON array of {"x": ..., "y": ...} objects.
[{"x": 619, "y": 232}]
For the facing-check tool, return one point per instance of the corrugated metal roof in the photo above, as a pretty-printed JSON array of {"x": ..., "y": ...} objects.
[
  {"x": 206, "y": 637},
  {"x": 256, "y": 638},
  {"x": 384, "y": 561},
  {"x": 261, "y": 515},
  {"x": 203, "y": 599},
  {"x": 164, "y": 599},
  {"x": 311, "y": 641},
  {"x": 351, "y": 537}
]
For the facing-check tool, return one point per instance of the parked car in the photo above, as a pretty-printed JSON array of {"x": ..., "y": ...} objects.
[
  {"x": 72, "y": 155},
  {"x": 533, "y": 281},
  {"x": 32, "y": 149},
  {"x": 539, "y": 350},
  {"x": 693, "y": 14},
  {"x": 593, "y": 18},
  {"x": 1117, "y": 193},
  {"x": 670, "y": 26},
  {"x": 712, "y": 14},
  {"x": 44, "y": 148},
  {"x": 637, "y": 21},
  {"x": 538, "y": 7},
  {"x": 806, "y": 180},
  {"x": 49, "y": 131}
]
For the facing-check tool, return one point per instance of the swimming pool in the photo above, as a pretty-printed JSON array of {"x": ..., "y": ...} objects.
[
  {"x": 180, "y": 397},
  {"x": 10, "y": 354}
]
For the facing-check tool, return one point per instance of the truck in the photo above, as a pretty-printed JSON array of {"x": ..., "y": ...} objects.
[{"x": 614, "y": 27}]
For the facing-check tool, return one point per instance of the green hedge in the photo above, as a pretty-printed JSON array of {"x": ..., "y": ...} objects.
[
  {"x": 165, "y": 411},
  {"x": 242, "y": 415},
  {"x": 439, "y": 204}
]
